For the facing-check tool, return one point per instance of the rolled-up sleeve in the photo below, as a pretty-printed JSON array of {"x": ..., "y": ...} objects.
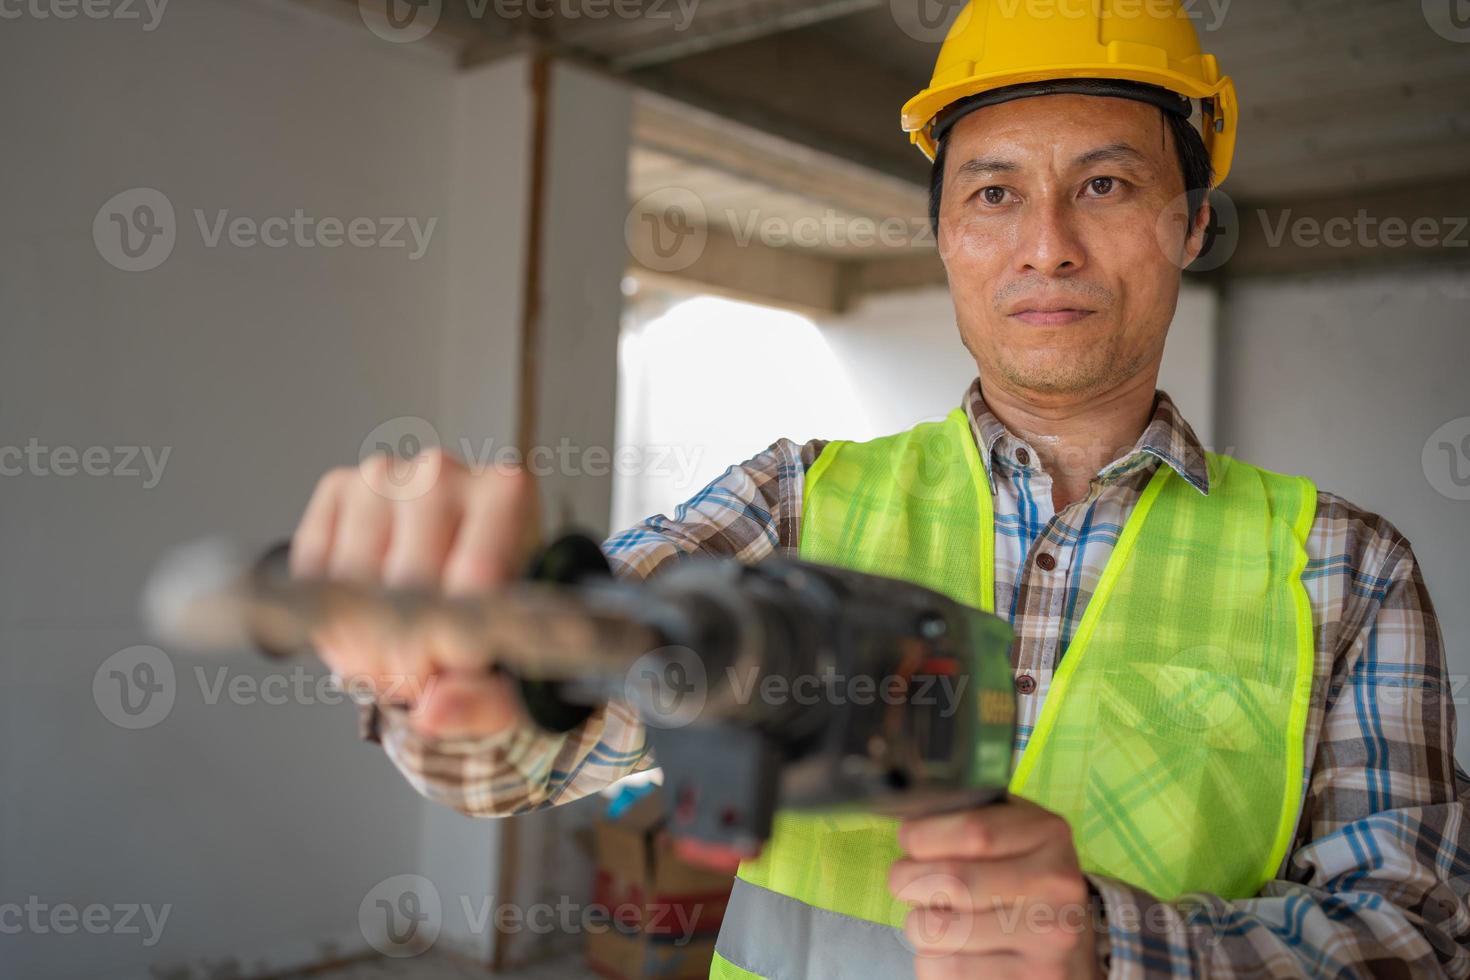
[{"x": 747, "y": 513}]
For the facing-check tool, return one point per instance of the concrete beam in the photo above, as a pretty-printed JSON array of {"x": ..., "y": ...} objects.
[
  {"x": 789, "y": 278},
  {"x": 806, "y": 89},
  {"x": 1414, "y": 224},
  {"x": 756, "y": 20},
  {"x": 699, "y": 136}
]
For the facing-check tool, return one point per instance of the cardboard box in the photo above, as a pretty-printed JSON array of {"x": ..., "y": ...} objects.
[{"x": 663, "y": 914}]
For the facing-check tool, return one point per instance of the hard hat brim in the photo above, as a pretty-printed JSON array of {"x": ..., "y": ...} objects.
[{"x": 920, "y": 112}]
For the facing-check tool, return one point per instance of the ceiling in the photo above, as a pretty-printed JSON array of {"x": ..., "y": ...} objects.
[{"x": 1338, "y": 96}]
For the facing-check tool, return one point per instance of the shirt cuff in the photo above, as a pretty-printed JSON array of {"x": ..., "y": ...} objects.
[
  {"x": 1101, "y": 934},
  {"x": 1131, "y": 921}
]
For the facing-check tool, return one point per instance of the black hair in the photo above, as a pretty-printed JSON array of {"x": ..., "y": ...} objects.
[{"x": 1194, "y": 163}]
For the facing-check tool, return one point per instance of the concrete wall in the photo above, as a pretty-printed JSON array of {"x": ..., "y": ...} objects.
[
  {"x": 1352, "y": 380},
  {"x": 259, "y": 826}
]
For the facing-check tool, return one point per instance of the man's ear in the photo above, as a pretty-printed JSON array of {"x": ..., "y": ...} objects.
[{"x": 1195, "y": 243}]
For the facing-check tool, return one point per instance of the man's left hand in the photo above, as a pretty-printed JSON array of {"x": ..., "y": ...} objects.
[{"x": 997, "y": 892}]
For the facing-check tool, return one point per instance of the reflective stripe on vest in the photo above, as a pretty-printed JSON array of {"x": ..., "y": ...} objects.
[
  {"x": 770, "y": 935},
  {"x": 1172, "y": 736}
]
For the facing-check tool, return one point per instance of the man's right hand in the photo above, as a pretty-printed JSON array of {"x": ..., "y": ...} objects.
[{"x": 466, "y": 533}]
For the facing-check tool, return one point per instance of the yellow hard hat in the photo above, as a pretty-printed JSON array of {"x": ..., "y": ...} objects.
[{"x": 995, "y": 44}]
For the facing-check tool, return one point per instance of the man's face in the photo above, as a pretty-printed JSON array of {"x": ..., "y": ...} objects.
[{"x": 1063, "y": 229}]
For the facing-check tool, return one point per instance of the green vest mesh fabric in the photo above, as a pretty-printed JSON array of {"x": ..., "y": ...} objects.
[{"x": 1172, "y": 735}]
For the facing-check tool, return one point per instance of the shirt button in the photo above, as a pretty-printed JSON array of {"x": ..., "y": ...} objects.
[
  {"x": 1025, "y": 684},
  {"x": 1046, "y": 561},
  {"x": 1023, "y": 456}
]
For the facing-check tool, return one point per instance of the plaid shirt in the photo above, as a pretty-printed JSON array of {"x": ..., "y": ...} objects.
[{"x": 1375, "y": 883}]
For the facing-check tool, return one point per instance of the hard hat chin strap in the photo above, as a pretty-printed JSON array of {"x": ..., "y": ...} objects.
[{"x": 1170, "y": 102}]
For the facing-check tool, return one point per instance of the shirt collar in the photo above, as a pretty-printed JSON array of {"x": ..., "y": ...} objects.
[{"x": 1167, "y": 437}]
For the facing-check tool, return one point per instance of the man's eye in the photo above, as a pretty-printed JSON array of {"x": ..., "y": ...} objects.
[
  {"x": 1102, "y": 186},
  {"x": 994, "y": 195}
]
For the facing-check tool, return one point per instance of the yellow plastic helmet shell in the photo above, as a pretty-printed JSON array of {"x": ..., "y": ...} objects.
[{"x": 996, "y": 43}]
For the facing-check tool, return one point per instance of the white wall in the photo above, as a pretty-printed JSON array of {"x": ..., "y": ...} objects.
[
  {"x": 902, "y": 351},
  {"x": 894, "y": 361},
  {"x": 1345, "y": 378},
  {"x": 260, "y": 826}
]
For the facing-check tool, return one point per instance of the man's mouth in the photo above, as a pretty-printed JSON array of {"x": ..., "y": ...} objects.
[{"x": 1051, "y": 316}]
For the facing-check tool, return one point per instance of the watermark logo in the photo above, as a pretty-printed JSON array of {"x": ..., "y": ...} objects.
[
  {"x": 42, "y": 461},
  {"x": 403, "y": 458},
  {"x": 1222, "y": 234},
  {"x": 1446, "y": 459},
  {"x": 395, "y": 460},
  {"x": 121, "y": 10},
  {"x": 830, "y": 229},
  {"x": 1364, "y": 230},
  {"x": 405, "y": 21},
  {"x": 39, "y": 917},
  {"x": 667, "y": 229},
  {"x": 939, "y": 921},
  {"x": 404, "y": 915},
  {"x": 401, "y": 916},
  {"x": 135, "y": 688},
  {"x": 135, "y": 230},
  {"x": 1208, "y": 14},
  {"x": 929, "y": 466},
  {"x": 138, "y": 687},
  {"x": 667, "y": 686},
  {"x": 1450, "y": 19},
  {"x": 928, "y": 20},
  {"x": 401, "y": 21}
]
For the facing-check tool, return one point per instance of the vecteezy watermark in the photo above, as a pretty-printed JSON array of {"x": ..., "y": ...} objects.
[
  {"x": 830, "y": 229},
  {"x": 136, "y": 230},
  {"x": 401, "y": 916},
  {"x": 1364, "y": 230},
  {"x": 404, "y": 915},
  {"x": 930, "y": 21},
  {"x": 667, "y": 686},
  {"x": 405, "y": 21},
  {"x": 138, "y": 687},
  {"x": 1222, "y": 232},
  {"x": 1446, "y": 459},
  {"x": 135, "y": 688},
  {"x": 40, "y": 918},
  {"x": 670, "y": 688},
  {"x": 304, "y": 687},
  {"x": 1034, "y": 914},
  {"x": 401, "y": 21},
  {"x": 1450, "y": 19},
  {"x": 149, "y": 13},
  {"x": 667, "y": 230},
  {"x": 308, "y": 231},
  {"x": 1283, "y": 227},
  {"x": 395, "y": 458},
  {"x": 834, "y": 688},
  {"x": 35, "y": 459},
  {"x": 1207, "y": 14}
]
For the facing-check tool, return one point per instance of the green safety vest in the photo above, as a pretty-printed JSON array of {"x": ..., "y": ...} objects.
[{"x": 1171, "y": 738}]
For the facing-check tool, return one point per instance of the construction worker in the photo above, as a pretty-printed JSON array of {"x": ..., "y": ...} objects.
[{"x": 1235, "y": 741}]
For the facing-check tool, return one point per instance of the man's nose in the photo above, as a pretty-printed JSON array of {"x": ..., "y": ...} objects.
[{"x": 1049, "y": 243}]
